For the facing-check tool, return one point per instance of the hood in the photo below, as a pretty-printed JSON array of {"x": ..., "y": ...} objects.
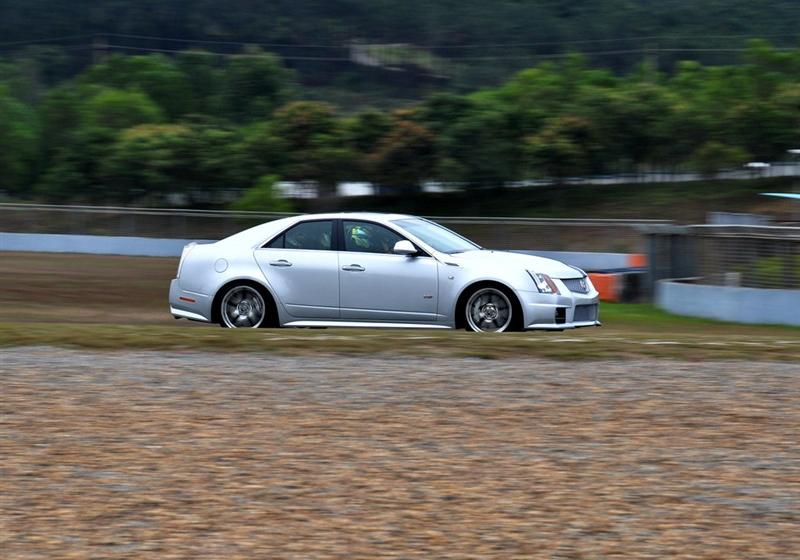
[{"x": 503, "y": 259}]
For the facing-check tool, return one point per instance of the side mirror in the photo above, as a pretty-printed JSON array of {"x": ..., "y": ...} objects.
[{"x": 404, "y": 247}]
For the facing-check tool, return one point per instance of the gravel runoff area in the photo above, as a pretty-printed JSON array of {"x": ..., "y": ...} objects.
[{"x": 197, "y": 455}]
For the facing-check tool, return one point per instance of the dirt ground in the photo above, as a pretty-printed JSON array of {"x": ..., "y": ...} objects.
[
  {"x": 85, "y": 288},
  {"x": 200, "y": 455}
]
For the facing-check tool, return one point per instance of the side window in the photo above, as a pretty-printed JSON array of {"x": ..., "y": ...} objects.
[
  {"x": 309, "y": 235},
  {"x": 366, "y": 237},
  {"x": 276, "y": 243}
]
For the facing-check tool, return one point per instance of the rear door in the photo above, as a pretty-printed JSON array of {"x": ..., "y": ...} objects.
[
  {"x": 377, "y": 285},
  {"x": 301, "y": 265}
]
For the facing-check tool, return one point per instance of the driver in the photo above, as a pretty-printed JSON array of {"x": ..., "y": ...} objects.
[{"x": 359, "y": 237}]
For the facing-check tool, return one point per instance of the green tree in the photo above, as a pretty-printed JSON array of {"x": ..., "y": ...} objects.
[
  {"x": 361, "y": 134},
  {"x": 157, "y": 76},
  {"x": 363, "y": 130},
  {"x": 205, "y": 77},
  {"x": 261, "y": 151},
  {"x": 483, "y": 148},
  {"x": 441, "y": 110},
  {"x": 73, "y": 169},
  {"x": 405, "y": 156},
  {"x": 714, "y": 156},
  {"x": 559, "y": 150},
  {"x": 255, "y": 84},
  {"x": 18, "y": 144},
  {"x": 632, "y": 123},
  {"x": 117, "y": 109},
  {"x": 146, "y": 160},
  {"x": 218, "y": 164},
  {"x": 198, "y": 159},
  {"x": 314, "y": 144},
  {"x": 60, "y": 117},
  {"x": 262, "y": 197}
]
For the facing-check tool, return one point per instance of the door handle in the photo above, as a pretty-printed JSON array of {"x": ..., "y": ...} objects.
[
  {"x": 354, "y": 268},
  {"x": 281, "y": 262}
]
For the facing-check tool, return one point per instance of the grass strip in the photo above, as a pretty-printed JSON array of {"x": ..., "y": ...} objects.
[{"x": 588, "y": 344}]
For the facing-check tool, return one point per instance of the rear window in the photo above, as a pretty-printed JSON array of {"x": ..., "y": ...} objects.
[{"x": 314, "y": 236}]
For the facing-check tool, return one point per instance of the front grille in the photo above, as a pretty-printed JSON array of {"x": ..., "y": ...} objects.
[
  {"x": 585, "y": 313},
  {"x": 561, "y": 315},
  {"x": 577, "y": 285}
]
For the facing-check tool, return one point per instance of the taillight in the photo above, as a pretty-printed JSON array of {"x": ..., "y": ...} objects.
[{"x": 186, "y": 250}]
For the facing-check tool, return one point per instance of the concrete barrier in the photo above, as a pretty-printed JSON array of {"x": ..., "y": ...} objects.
[
  {"x": 737, "y": 305},
  {"x": 594, "y": 262},
  {"x": 618, "y": 277},
  {"x": 93, "y": 244}
]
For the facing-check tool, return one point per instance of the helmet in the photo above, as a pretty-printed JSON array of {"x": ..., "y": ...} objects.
[{"x": 359, "y": 236}]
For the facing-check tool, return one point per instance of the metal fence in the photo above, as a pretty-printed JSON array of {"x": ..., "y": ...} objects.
[
  {"x": 499, "y": 233},
  {"x": 729, "y": 255}
]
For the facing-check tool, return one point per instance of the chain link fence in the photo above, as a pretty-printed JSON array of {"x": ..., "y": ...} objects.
[
  {"x": 621, "y": 236},
  {"x": 755, "y": 257},
  {"x": 727, "y": 255}
]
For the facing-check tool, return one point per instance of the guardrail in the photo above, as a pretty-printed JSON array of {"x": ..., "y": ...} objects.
[
  {"x": 141, "y": 211},
  {"x": 565, "y": 234}
]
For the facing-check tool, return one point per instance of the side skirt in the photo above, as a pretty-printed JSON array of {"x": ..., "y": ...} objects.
[{"x": 365, "y": 324}]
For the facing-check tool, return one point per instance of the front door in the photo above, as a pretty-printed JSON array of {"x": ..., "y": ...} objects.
[{"x": 377, "y": 285}]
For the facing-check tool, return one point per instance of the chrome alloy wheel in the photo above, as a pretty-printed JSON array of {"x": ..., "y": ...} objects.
[
  {"x": 243, "y": 307},
  {"x": 489, "y": 310}
]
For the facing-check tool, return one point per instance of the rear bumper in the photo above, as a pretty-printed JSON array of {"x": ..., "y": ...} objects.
[
  {"x": 184, "y": 304},
  {"x": 558, "y": 312}
]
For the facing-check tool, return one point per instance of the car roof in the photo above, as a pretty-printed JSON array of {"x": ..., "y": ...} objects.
[
  {"x": 261, "y": 232},
  {"x": 380, "y": 216}
]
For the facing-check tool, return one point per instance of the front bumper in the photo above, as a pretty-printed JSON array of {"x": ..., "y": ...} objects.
[
  {"x": 184, "y": 304},
  {"x": 559, "y": 312}
]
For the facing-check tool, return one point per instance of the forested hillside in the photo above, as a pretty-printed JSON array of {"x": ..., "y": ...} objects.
[
  {"x": 134, "y": 129},
  {"x": 131, "y": 100},
  {"x": 401, "y": 50}
]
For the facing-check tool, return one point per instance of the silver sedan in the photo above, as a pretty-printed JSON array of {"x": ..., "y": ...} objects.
[{"x": 375, "y": 270}]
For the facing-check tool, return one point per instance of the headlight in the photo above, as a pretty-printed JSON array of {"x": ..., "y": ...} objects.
[{"x": 544, "y": 283}]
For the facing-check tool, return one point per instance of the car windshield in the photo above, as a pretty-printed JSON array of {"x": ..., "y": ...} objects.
[{"x": 438, "y": 237}]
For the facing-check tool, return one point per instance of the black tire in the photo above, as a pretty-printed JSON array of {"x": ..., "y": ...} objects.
[
  {"x": 244, "y": 299},
  {"x": 489, "y": 307}
]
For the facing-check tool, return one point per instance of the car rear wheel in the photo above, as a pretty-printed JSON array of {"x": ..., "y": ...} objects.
[
  {"x": 242, "y": 306},
  {"x": 488, "y": 310}
]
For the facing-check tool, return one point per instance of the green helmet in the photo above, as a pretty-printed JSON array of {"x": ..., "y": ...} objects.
[{"x": 359, "y": 236}]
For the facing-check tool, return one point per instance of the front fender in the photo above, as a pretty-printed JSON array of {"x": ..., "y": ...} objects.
[{"x": 455, "y": 281}]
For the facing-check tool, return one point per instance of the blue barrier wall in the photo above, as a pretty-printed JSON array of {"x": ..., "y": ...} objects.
[
  {"x": 723, "y": 303},
  {"x": 155, "y": 247},
  {"x": 590, "y": 262},
  {"x": 94, "y": 244}
]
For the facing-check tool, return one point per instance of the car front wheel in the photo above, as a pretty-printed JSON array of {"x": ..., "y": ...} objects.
[{"x": 488, "y": 310}]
